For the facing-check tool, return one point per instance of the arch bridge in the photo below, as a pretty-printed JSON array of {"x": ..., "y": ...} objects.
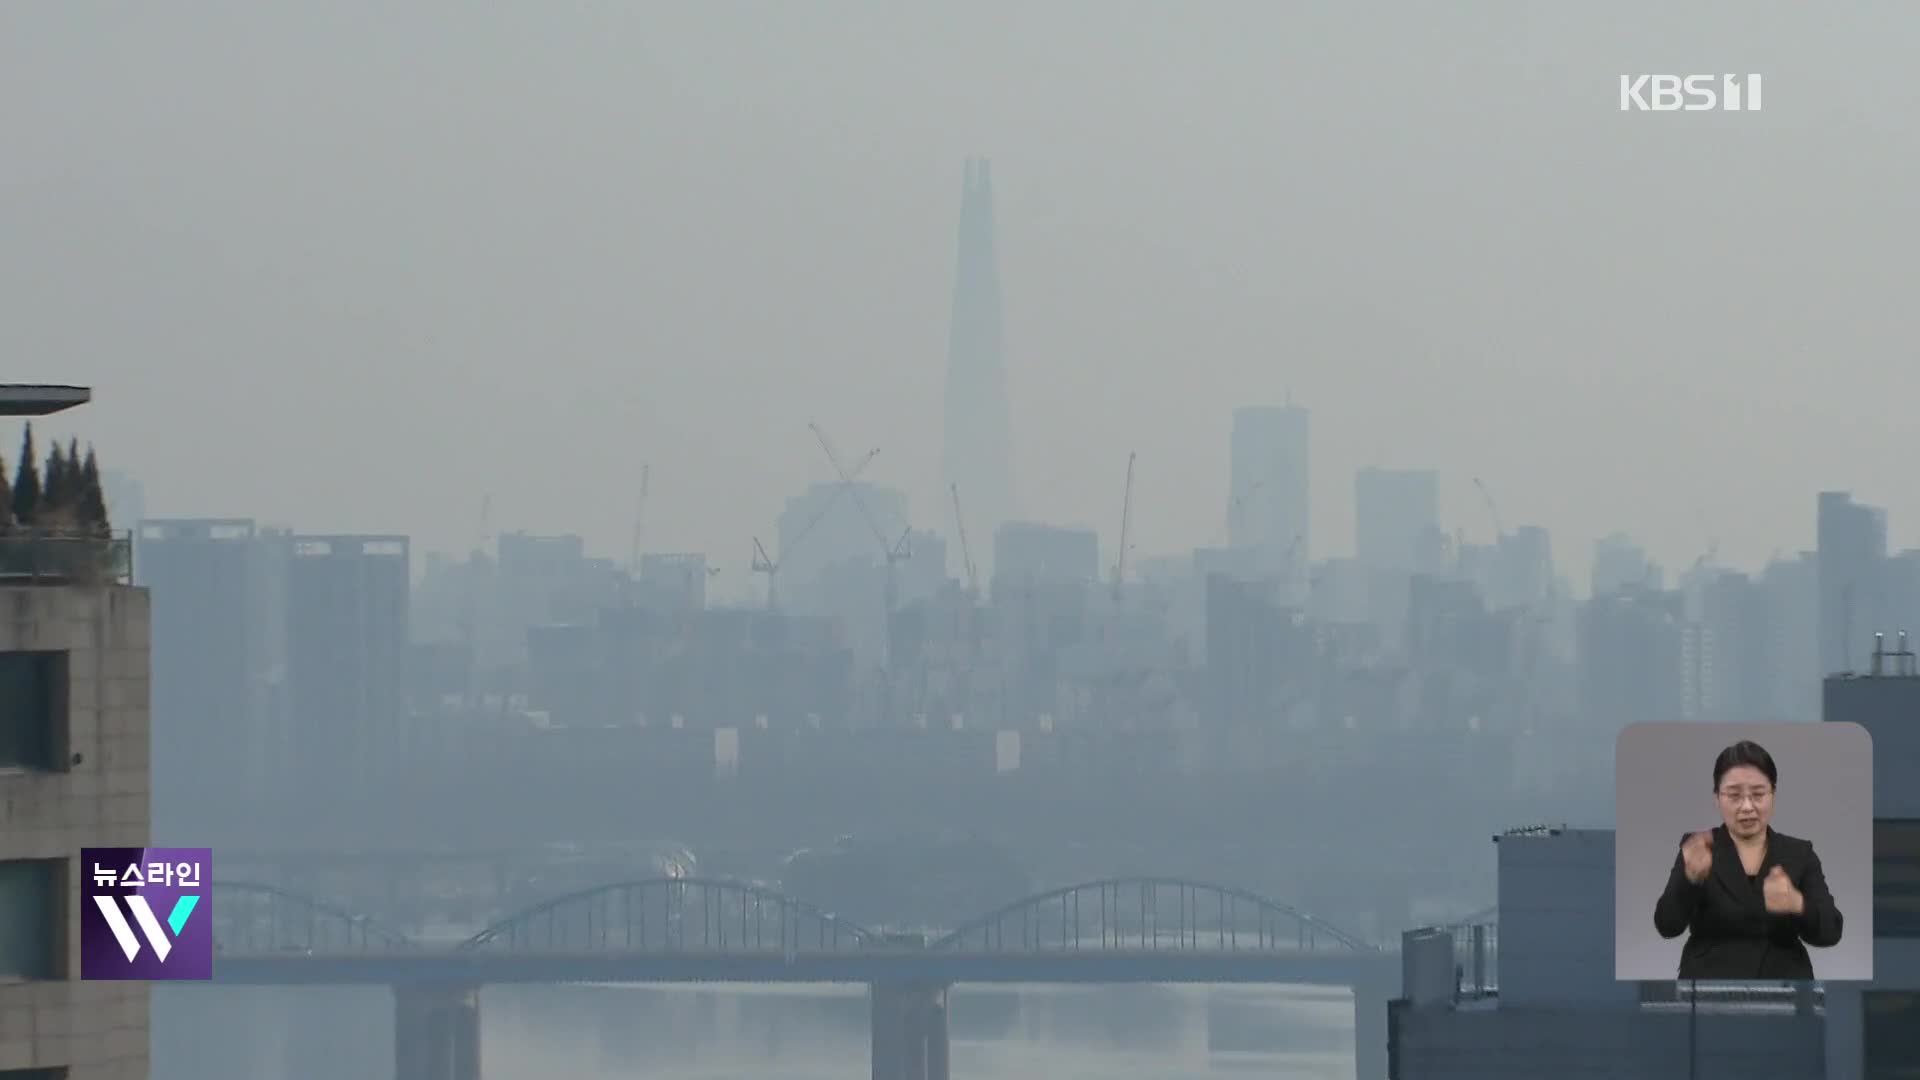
[
  {"x": 722, "y": 916},
  {"x": 1117, "y": 930}
]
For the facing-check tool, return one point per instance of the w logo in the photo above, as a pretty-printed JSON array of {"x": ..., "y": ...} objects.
[
  {"x": 143, "y": 914},
  {"x": 146, "y": 914}
]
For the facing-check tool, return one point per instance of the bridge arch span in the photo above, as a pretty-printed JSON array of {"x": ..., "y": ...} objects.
[
  {"x": 1149, "y": 913},
  {"x": 252, "y": 918},
  {"x": 674, "y": 914}
]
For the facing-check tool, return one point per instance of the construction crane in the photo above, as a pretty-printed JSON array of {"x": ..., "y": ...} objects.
[
  {"x": 894, "y": 551},
  {"x": 766, "y": 564},
  {"x": 1706, "y": 557},
  {"x": 966, "y": 555},
  {"x": 1126, "y": 531},
  {"x": 1286, "y": 561},
  {"x": 639, "y": 519}
]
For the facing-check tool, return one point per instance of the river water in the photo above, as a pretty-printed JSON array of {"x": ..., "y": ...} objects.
[{"x": 767, "y": 1033}]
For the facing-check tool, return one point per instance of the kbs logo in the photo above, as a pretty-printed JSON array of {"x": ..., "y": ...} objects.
[
  {"x": 145, "y": 914},
  {"x": 1689, "y": 93}
]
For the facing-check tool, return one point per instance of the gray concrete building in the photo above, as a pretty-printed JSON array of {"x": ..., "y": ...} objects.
[
  {"x": 74, "y": 754},
  {"x": 1874, "y": 1028},
  {"x": 1554, "y": 1008},
  {"x": 347, "y": 645},
  {"x": 220, "y": 695}
]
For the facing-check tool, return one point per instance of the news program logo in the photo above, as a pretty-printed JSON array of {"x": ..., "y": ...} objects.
[
  {"x": 1689, "y": 93},
  {"x": 145, "y": 914}
]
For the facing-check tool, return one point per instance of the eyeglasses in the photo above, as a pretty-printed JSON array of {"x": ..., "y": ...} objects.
[{"x": 1757, "y": 798}]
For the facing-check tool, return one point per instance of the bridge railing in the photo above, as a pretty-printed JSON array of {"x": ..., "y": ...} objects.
[
  {"x": 1148, "y": 913},
  {"x": 259, "y": 919},
  {"x": 675, "y": 915}
]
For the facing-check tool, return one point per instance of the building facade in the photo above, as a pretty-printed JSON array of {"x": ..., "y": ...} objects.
[
  {"x": 1268, "y": 508},
  {"x": 74, "y": 768},
  {"x": 219, "y": 666},
  {"x": 1875, "y": 1028},
  {"x": 347, "y": 638},
  {"x": 1555, "y": 1009},
  {"x": 1852, "y": 560}
]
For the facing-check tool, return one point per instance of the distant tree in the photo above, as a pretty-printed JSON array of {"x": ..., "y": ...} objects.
[
  {"x": 6, "y": 500},
  {"x": 93, "y": 501},
  {"x": 56, "y": 492},
  {"x": 26, "y": 483}
]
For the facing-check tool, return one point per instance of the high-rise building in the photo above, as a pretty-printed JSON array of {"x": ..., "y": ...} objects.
[
  {"x": 219, "y": 667},
  {"x": 1396, "y": 514},
  {"x": 673, "y": 581},
  {"x": 1268, "y": 506},
  {"x": 74, "y": 748},
  {"x": 1032, "y": 553},
  {"x": 1853, "y": 556},
  {"x": 978, "y": 452},
  {"x": 347, "y": 643},
  {"x": 1873, "y": 1030},
  {"x": 1618, "y": 563},
  {"x": 1259, "y": 654},
  {"x": 1735, "y": 629},
  {"x": 1634, "y": 651},
  {"x": 1793, "y": 615}
]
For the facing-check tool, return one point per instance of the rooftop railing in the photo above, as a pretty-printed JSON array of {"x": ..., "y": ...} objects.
[{"x": 35, "y": 557}]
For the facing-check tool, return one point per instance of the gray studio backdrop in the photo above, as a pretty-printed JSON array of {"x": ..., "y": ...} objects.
[{"x": 1663, "y": 777}]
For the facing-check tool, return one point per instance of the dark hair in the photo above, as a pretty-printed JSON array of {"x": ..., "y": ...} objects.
[{"x": 1745, "y": 752}]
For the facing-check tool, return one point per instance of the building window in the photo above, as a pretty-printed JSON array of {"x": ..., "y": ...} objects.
[
  {"x": 1896, "y": 878},
  {"x": 33, "y": 924},
  {"x": 33, "y": 710},
  {"x": 1890, "y": 1035}
]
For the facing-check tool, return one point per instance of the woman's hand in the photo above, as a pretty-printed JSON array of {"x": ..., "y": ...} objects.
[
  {"x": 1698, "y": 855},
  {"x": 1782, "y": 897}
]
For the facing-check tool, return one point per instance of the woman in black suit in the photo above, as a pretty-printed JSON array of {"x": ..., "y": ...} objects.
[{"x": 1753, "y": 899}]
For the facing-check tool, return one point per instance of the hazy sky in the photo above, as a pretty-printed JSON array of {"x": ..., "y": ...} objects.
[{"x": 352, "y": 267}]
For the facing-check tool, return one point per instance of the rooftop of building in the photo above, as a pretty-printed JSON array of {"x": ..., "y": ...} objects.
[
  {"x": 1897, "y": 662},
  {"x": 36, "y": 558},
  {"x": 1536, "y": 830},
  {"x": 40, "y": 399}
]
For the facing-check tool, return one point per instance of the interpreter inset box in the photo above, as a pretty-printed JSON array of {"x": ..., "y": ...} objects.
[{"x": 1743, "y": 852}]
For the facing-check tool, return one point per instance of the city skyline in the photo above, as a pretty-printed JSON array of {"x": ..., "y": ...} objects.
[{"x": 1169, "y": 251}]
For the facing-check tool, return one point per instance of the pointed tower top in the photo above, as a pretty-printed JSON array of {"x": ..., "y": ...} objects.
[{"x": 977, "y": 175}]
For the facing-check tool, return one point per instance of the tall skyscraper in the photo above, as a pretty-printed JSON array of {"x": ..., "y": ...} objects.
[
  {"x": 978, "y": 454},
  {"x": 219, "y": 667},
  {"x": 347, "y": 599},
  {"x": 1268, "y": 507},
  {"x": 1852, "y": 569}
]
